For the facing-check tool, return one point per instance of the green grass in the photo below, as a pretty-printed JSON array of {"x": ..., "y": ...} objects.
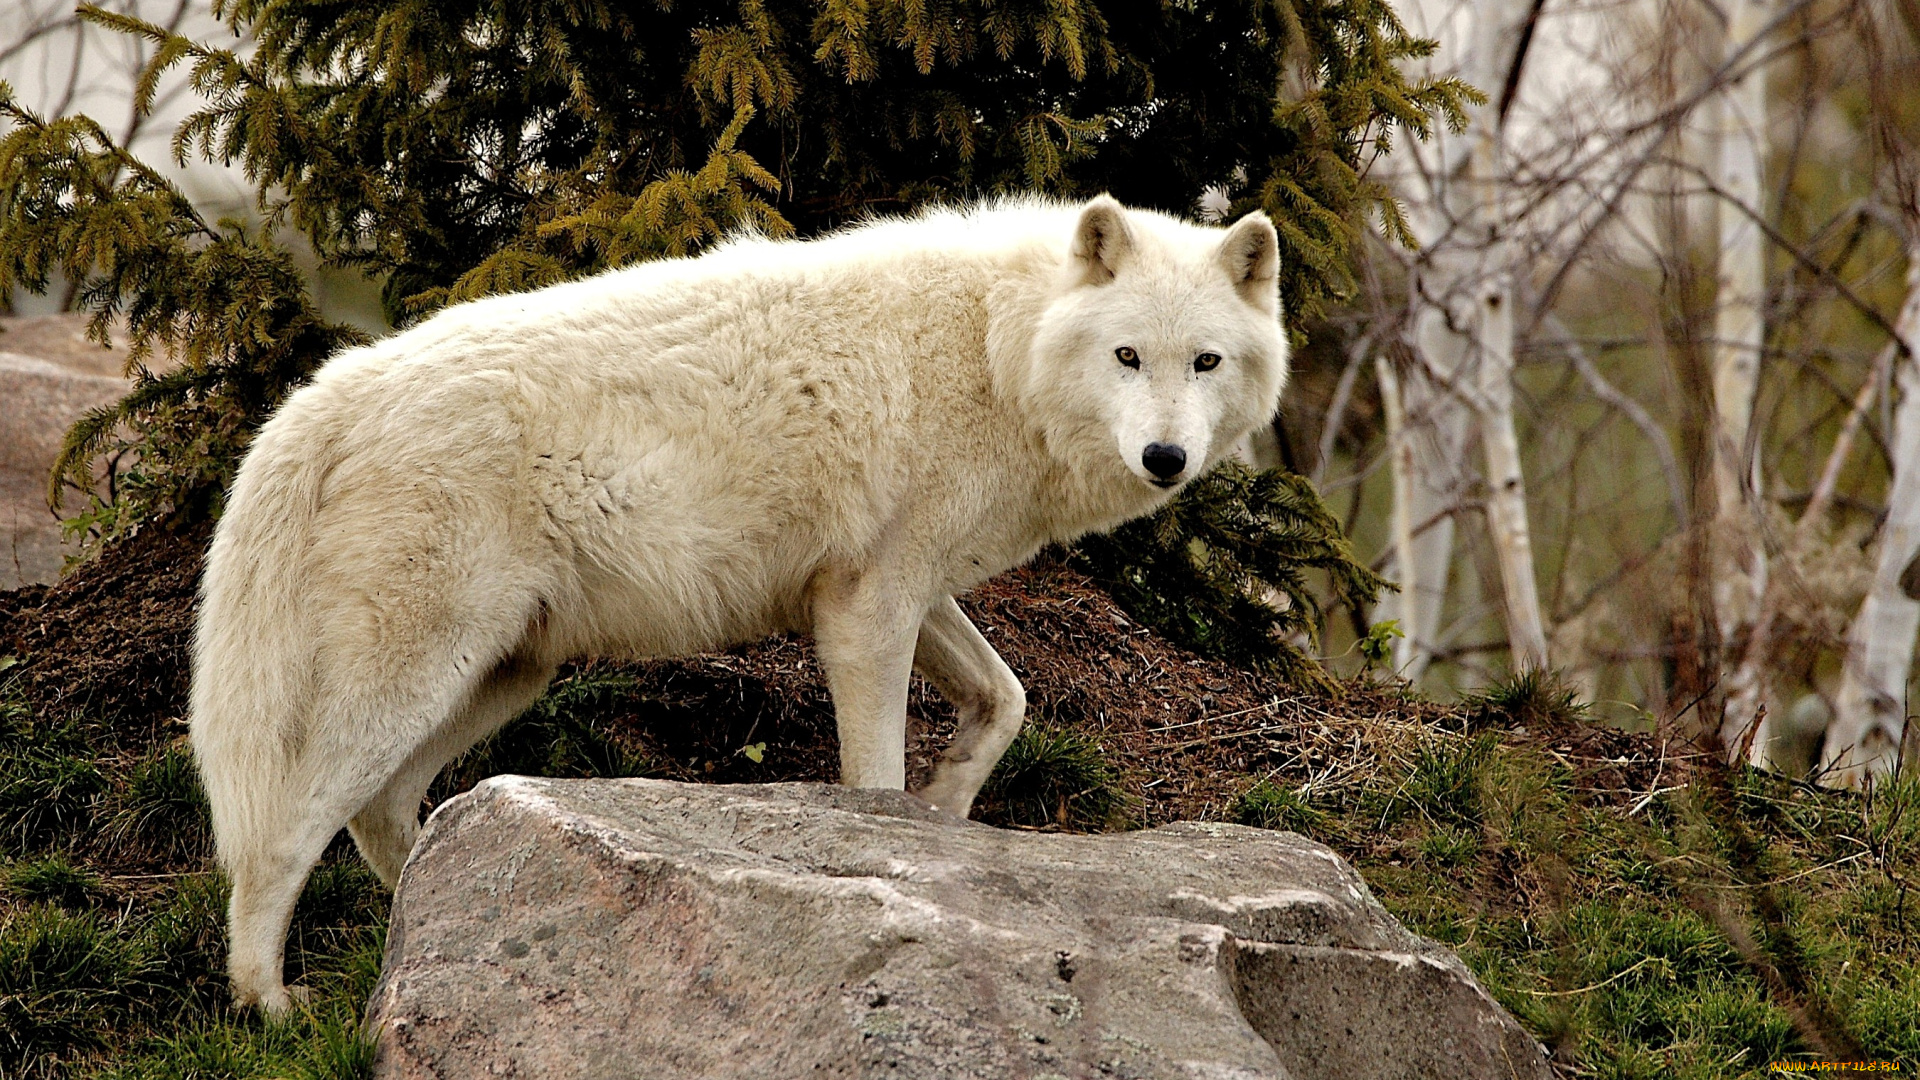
[
  {"x": 322, "y": 1041},
  {"x": 48, "y": 783},
  {"x": 1605, "y": 931},
  {"x": 160, "y": 808},
  {"x": 1600, "y": 923},
  {"x": 112, "y": 925},
  {"x": 1267, "y": 805},
  {"x": 1534, "y": 697},
  {"x": 1055, "y": 776},
  {"x": 54, "y": 879}
]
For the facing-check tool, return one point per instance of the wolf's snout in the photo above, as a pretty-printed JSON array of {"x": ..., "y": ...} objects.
[{"x": 1164, "y": 460}]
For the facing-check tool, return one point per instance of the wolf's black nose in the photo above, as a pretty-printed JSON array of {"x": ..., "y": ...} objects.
[{"x": 1164, "y": 459}]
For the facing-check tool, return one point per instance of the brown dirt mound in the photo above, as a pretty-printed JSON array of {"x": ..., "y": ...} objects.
[
  {"x": 1189, "y": 733},
  {"x": 110, "y": 641}
]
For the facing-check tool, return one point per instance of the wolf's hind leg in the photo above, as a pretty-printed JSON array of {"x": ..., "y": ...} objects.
[
  {"x": 332, "y": 780},
  {"x": 266, "y": 881},
  {"x": 960, "y": 664},
  {"x": 385, "y": 829},
  {"x": 378, "y": 718}
]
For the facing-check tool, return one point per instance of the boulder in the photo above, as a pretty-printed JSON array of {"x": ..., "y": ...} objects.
[
  {"x": 50, "y": 375},
  {"x": 641, "y": 928}
]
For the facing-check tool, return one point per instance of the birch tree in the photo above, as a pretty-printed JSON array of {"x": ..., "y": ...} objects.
[
  {"x": 1462, "y": 336},
  {"x": 1863, "y": 743},
  {"x": 1740, "y": 130}
]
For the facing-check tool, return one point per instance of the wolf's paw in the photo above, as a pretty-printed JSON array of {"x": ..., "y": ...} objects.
[
  {"x": 275, "y": 1001},
  {"x": 946, "y": 799}
]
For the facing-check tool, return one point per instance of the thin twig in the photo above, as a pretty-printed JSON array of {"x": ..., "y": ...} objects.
[{"x": 1644, "y": 961}]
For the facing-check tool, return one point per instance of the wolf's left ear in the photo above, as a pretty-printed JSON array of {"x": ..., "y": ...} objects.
[
  {"x": 1251, "y": 257},
  {"x": 1102, "y": 241}
]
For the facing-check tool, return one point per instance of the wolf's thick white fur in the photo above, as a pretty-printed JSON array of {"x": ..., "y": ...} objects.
[{"x": 833, "y": 436}]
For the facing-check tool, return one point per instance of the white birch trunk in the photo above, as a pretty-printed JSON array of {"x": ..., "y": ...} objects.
[
  {"x": 1506, "y": 485},
  {"x": 1863, "y": 744},
  {"x": 1406, "y": 602},
  {"x": 1740, "y": 578},
  {"x": 1739, "y": 330},
  {"x": 1463, "y": 331},
  {"x": 1437, "y": 435}
]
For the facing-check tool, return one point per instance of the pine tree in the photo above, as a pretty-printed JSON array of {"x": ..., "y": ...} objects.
[
  {"x": 457, "y": 148},
  {"x": 1223, "y": 569}
]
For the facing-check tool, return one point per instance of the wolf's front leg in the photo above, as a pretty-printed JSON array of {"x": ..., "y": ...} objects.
[
  {"x": 863, "y": 631},
  {"x": 960, "y": 664}
]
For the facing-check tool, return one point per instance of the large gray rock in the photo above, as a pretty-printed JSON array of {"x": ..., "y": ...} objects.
[
  {"x": 50, "y": 375},
  {"x": 39, "y": 400},
  {"x": 638, "y": 928}
]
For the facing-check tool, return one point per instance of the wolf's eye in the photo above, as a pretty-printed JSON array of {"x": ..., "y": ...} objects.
[
  {"x": 1206, "y": 361},
  {"x": 1127, "y": 356}
]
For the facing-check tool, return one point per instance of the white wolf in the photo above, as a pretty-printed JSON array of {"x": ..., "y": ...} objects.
[{"x": 832, "y": 436}]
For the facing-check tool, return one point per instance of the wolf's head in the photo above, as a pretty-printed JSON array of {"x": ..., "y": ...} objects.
[{"x": 1159, "y": 348}]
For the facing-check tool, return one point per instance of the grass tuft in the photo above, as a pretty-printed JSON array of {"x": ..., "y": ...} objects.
[
  {"x": 161, "y": 808},
  {"x": 65, "y": 977},
  {"x": 48, "y": 782},
  {"x": 46, "y": 796},
  {"x": 54, "y": 880},
  {"x": 1446, "y": 784},
  {"x": 185, "y": 940},
  {"x": 1053, "y": 776},
  {"x": 1533, "y": 698},
  {"x": 1267, "y": 805},
  {"x": 1450, "y": 848}
]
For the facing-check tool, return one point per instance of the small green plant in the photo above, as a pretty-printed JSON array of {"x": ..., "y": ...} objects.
[
  {"x": 1531, "y": 698},
  {"x": 1377, "y": 646},
  {"x": 55, "y": 880},
  {"x": 1054, "y": 776},
  {"x": 1267, "y": 805}
]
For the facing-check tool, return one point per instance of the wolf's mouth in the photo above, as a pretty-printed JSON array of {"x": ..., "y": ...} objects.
[{"x": 1164, "y": 483}]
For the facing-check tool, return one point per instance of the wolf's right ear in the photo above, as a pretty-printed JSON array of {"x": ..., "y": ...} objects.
[
  {"x": 1251, "y": 257},
  {"x": 1102, "y": 241}
]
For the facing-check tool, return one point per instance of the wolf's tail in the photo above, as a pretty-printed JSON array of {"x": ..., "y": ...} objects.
[{"x": 254, "y": 640}]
